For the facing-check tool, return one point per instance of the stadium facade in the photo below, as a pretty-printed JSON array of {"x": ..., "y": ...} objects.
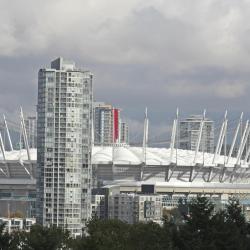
[{"x": 126, "y": 167}]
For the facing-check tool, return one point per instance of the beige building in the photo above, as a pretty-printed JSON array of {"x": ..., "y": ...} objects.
[{"x": 132, "y": 208}]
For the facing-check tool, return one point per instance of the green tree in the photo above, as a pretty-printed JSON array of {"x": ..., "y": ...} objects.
[
  {"x": 149, "y": 236},
  {"x": 235, "y": 216},
  {"x": 235, "y": 226},
  {"x": 104, "y": 235},
  {"x": 45, "y": 238},
  {"x": 4, "y": 238},
  {"x": 197, "y": 232}
]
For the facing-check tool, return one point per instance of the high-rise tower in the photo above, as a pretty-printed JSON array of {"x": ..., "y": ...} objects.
[
  {"x": 189, "y": 133},
  {"x": 30, "y": 125},
  {"x": 64, "y": 146},
  {"x": 124, "y": 132},
  {"x": 106, "y": 124},
  {"x": 103, "y": 123}
]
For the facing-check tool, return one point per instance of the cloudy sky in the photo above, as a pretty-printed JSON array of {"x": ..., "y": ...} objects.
[{"x": 157, "y": 53}]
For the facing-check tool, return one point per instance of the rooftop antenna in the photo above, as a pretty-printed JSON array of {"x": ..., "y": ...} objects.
[{"x": 8, "y": 133}]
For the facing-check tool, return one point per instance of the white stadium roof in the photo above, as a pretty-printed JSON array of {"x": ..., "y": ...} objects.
[
  {"x": 17, "y": 155},
  {"x": 126, "y": 155},
  {"x": 125, "y": 166}
]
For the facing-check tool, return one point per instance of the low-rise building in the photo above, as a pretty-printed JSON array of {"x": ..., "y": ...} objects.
[
  {"x": 133, "y": 208},
  {"x": 17, "y": 224},
  {"x": 98, "y": 205}
]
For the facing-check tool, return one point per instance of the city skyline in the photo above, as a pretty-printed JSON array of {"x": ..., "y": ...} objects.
[
  {"x": 124, "y": 124},
  {"x": 193, "y": 55}
]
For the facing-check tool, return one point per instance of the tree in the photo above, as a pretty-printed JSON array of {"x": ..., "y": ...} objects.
[
  {"x": 235, "y": 226},
  {"x": 4, "y": 238},
  {"x": 149, "y": 236},
  {"x": 235, "y": 216},
  {"x": 45, "y": 238},
  {"x": 197, "y": 232},
  {"x": 104, "y": 235}
]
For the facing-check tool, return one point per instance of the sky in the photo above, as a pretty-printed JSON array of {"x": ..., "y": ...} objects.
[{"x": 159, "y": 54}]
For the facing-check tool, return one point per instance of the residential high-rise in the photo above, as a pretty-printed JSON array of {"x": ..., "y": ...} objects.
[
  {"x": 124, "y": 133},
  {"x": 116, "y": 124},
  {"x": 64, "y": 146},
  {"x": 103, "y": 123},
  {"x": 189, "y": 132},
  {"x": 106, "y": 124},
  {"x": 30, "y": 125}
]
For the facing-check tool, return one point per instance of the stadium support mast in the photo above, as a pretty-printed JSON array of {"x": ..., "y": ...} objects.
[
  {"x": 3, "y": 152},
  {"x": 24, "y": 134},
  {"x": 234, "y": 138},
  {"x": 247, "y": 155},
  {"x": 221, "y": 137},
  {"x": 173, "y": 136},
  {"x": 223, "y": 134},
  {"x": 199, "y": 137},
  {"x": 243, "y": 142},
  {"x": 241, "y": 149},
  {"x": 2, "y": 146},
  {"x": 8, "y": 133},
  {"x": 145, "y": 136},
  {"x": 145, "y": 141}
]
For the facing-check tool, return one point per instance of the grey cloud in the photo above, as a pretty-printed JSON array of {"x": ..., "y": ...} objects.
[{"x": 161, "y": 54}]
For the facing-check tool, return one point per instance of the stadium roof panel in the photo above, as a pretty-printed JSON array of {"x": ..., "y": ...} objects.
[{"x": 126, "y": 155}]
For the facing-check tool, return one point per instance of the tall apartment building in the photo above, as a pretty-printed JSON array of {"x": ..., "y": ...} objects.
[
  {"x": 30, "y": 125},
  {"x": 103, "y": 123},
  {"x": 189, "y": 132},
  {"x": 64, "y": 146},
  {"x": 124, "y": 133},
  {"x": 106, "y": 124}
]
